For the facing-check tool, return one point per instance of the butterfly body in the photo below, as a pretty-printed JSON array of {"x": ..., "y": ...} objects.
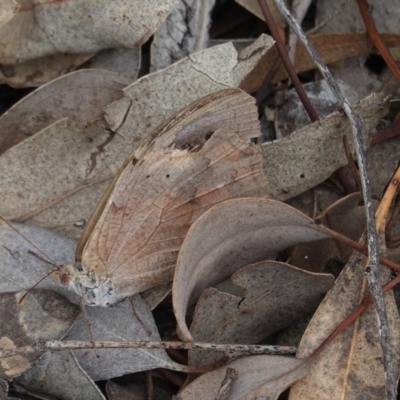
[{"x": 199, "y": 157}]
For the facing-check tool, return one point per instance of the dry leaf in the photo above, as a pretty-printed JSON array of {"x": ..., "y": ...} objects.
[
  {"x": 331, "y": 47},
  {"x": 130, "y": 320},
  {"x": 43, "y": 314},
  {"x": 41, "y": 29},
  {"x": 122, "y": 61},
  {"x": 8, "y": 8},
  {"x": 58, "y": 374},
  {"x": 79, "y": 96},
  {"x": 231, "y": 235},
  {"x": 346, "y": 17},
  {"x": 71, "y": 181},
  {"x": 196, "y": 159},
  {"x": 351, "y": 365},
  {"x": 274, "y": 296},
  {"x": 20, "y": 270},
  {"x": 346, "y": 216},
  {"x": 259, "y": 377},
  {"x": 41, "y": 70},
  {"x": 314, "y": 152}
]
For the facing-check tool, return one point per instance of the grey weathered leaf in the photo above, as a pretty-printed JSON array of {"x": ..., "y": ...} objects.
[
  {"x": 58, "y": 374},
  {"x": 40, "y": 28},
  {"x": 43, "y": 314},
  {"x": 127, "y": 321},
  {"x": 79, "y": 96},
  {"x": 274, "y": 296},
  {"x": 314, "y": 152},
  {"x": 130, "y": 320},
  {"x": 72, "y": 181},
  {"x": 259, "y": 377},
  {"x": 122, "y": 61},
  {"x": 231, "y": 235},
  {"x": 20, "y": 270}
]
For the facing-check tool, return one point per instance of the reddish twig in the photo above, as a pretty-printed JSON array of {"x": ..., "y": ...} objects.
[
  {"x": 286, "y": 61},
  {"x": 376, "y": 39}
]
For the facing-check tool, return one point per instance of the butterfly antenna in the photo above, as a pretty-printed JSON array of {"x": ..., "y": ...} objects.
[
  {"x": 33, "y": 287},
  {"x": 24, "y": 237}
]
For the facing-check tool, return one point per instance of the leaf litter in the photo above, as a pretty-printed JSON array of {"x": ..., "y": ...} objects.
[{"x": 72, "y": 153}]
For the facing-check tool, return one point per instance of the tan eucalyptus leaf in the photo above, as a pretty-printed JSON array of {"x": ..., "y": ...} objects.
[
  {"x": 43, "y": 313},
  {"x": 351, "y": 365},
  {"x": 259, "y": 377},
  {"x": 41, "y": 28},
  {"x": 231, "y": 235},
  {"x": 275, "y": 295},
  {"x": 79, "y": 96}
]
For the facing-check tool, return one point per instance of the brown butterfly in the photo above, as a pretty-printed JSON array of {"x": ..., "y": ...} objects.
[{"x": 199, "y": 157}]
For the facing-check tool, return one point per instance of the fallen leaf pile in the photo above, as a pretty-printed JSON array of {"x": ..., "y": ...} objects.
[{"x": 146, "y": 195}]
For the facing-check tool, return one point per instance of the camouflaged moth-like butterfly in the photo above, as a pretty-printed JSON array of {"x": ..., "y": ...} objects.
[{"x": 199, "y": 157}]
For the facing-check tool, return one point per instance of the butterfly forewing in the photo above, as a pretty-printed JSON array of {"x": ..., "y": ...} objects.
[{"x": 198, "y": 158}]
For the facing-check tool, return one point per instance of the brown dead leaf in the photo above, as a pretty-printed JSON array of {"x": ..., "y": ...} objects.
[
  {"x": 331, "y": 47},
  {"x": 259, "y": 377},
  {"x": 42, "y": 314},
  {"x": 275, "y": 295},
  {"x": 351, "y": 365},
  {"x": 41, "y": 29},
  {"x": 231, "y": 235}
]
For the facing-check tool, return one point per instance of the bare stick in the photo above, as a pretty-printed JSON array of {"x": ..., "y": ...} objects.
[
  {"x": 372, "y": 269},
  {"x": 232, "y": 349}
]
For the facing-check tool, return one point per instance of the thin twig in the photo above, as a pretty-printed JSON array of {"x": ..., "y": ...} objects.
[
  {"x": 372, "y": 269},
  {"x": 231, "y": 349},
  {"x": 286, "y": 62}
]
